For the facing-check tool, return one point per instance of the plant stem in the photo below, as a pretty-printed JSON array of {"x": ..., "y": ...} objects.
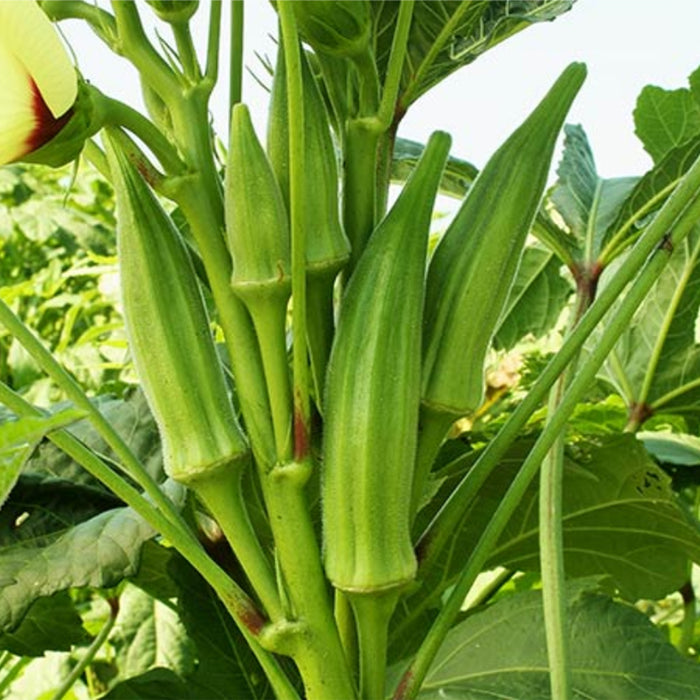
[
  {"x": 236, "y": 58},
  {"x": 551, "y": 536},
  {"x": 186, "y": 51},
  {"x": 317, "y": 650},
  {"x": 269, "y": 315},
  {"x": 223, "y": 496},
  {"x": 134, "y": 45},
  {"x": 373, "y": 612},
  {"x": 413, "y": 678},
  {"x": 14, "y": 671},
  {"x": 345, "y": 622},
  {"x": 211, "y": 71},
  {"x": 119, "y": 114},
  {"x": 319, "y": 309},
  {"x": 92, "y": 650},
  {"x": 297, "y": 216}
]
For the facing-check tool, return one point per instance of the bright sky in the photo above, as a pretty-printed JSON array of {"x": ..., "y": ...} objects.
[{"x": 625, "y": 43}]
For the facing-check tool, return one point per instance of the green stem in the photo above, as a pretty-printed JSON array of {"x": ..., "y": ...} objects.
[
  {"x": 297, "y": 217},
  {"x": 580, "y": 384},
  {"x": 134, "y": 45},
  {"x": 236, "y": 60},
  {"x": 551, "y": 536},
  {"x": 99, "y": 20},
  {"x": 392, "y": 82},
  {"x": 186, "y": 52},
  {"x": 211, "y": 71},
  {"x": 359, "y": 188},
  {"x": 223, "y": 496},
  {"x": 316, "y": 650},
  {"x": 241, "y": 608},
  {"x": 345, "y": 622},
  {"x": 10, "y": 676},
  {"x": 440, "y": 530},
  {"x": 269, "y": 315},
  {"x": 130, "y": 462},
  {"x": 119, "y": 114},
  {"x": 90, "y": 653},
  {"x": 320, "y": 330},
  {"x": 372, "y": 614}
]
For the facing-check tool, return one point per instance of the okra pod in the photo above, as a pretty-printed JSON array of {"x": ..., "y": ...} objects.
[{"x": 373, "y": 395}]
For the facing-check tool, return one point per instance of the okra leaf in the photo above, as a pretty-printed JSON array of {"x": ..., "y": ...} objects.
[
  {"x": 51, "y": 624},
  {"x": 655, "y": 366},
  {"x": 621, "y": 520},
  {"x": 616, "y": 652},
  {"x": 653, "y": 188},
  {"x": 447, "y": 34},
  {"x": 665, "y": 119},
  {"x": 156, "y": 684},
  {"x": 672, "y": 448},
  {"x": 536, "y": 299},
  {"x": 586, "y": 202},
  {"x": 457, "y": 176},
  {"x": 98, "y": 553},
  {"x": 149, "y": 634}
]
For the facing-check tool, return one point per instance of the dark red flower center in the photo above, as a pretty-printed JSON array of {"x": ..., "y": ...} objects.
[{"x": 47, "y": 126}]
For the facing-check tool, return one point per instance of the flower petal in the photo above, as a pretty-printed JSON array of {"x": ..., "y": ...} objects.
[
  {"x": 17, "y": 119},
  {"x": 28, "y": 34}
]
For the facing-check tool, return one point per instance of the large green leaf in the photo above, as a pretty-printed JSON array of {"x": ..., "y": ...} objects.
[
  {"x": 616, "y": 654},
  {"x": 621, "y": 520},
  {"x": 656, "y": 363},
  {"x": 52, "y": 623},
  {"x": 653, "y": 188},
  {"x": 665, "y": 119},
  {"x": 586, "y": 202},
  {"x": 536, "y": 299},
  {"x": 448, "y": 34},
  {"x": 149, "y": 634},
  {"x": 98, "y": 553}
]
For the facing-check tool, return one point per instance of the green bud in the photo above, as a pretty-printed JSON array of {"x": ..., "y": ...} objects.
[
  {"x": 337, "y": 27},
  {"x": 174, "y": 11},
  {"x": 256, "y": 218},
  {"x": 327, "y": 247}
]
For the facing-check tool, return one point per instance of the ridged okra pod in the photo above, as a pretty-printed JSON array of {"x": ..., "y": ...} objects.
[
  {"x": 169, "y": 333},
  {"x": 176, "y": 360},
  {"x": 373, "y": 394},
  {"x": 259, "y": 240},
  {"x": 327, "y": 247},
  {"x": 473, "y": 267}
]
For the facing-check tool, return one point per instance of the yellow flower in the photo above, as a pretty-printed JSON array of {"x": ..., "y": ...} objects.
[{"x": 39, "y": 83}]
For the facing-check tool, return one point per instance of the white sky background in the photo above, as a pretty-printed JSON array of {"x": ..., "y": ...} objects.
[{"x": 625, "y": 43}]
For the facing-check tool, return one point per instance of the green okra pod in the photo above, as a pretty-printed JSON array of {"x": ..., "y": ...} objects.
[
  {"x": 169, "y": 333},
  {"x": 473, "y": 267},
  {"x": 327, "y": 247},
  {"x": 257, "y": 226},
  {"x": 373, "y": 395}
]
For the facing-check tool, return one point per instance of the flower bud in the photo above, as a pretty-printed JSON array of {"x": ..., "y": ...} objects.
[
  {"x": 174, "y": 11},
  {"x": 338, "y": 27}
]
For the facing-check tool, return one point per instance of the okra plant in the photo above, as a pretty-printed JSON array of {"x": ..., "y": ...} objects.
[{"x": 315, "y": 478}]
